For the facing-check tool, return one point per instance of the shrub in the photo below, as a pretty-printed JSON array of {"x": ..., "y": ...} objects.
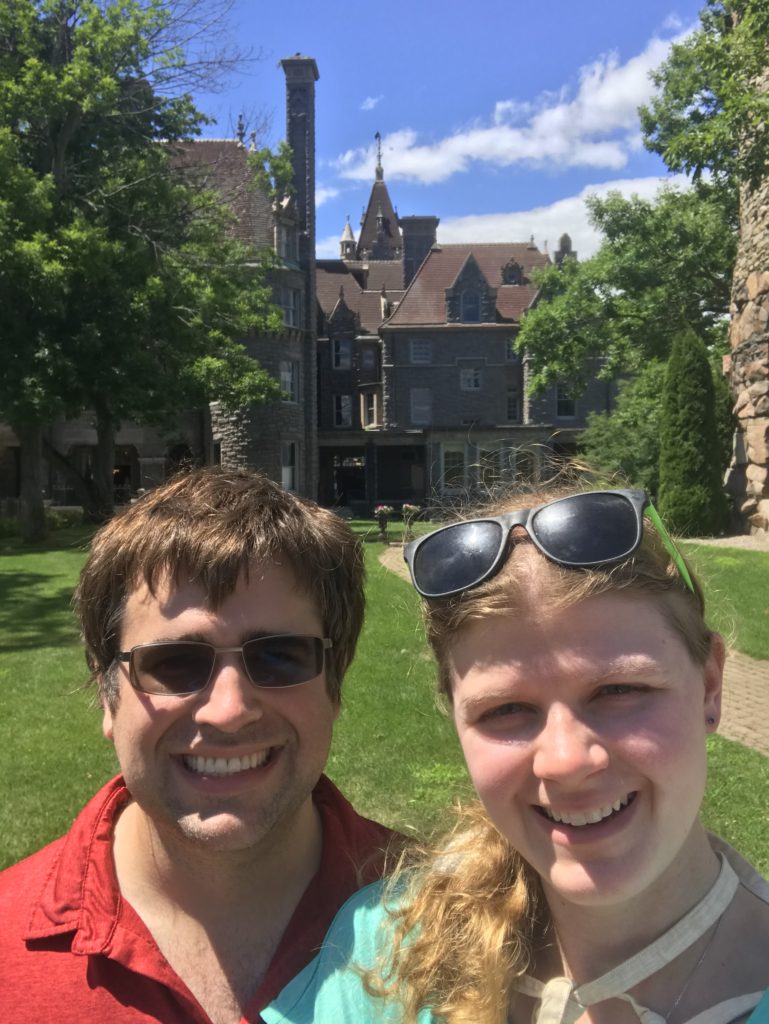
[{"x": 691, "y": 496}]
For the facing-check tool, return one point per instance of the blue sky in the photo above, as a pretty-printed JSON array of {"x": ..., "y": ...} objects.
[{"x": 497, "y": 117}]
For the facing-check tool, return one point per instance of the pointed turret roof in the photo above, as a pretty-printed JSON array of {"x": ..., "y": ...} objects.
[{"x": 380, "y": 237}]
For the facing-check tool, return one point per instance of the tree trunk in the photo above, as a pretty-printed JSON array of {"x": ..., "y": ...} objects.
[
  {"x": 95, "y": 493},
  {"x": 748, "y": 478},
  {"x": 103, "y": 466},
  {"x": 32, "y": 510}
]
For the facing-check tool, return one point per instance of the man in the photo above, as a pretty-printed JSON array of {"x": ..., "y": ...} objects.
[{"x": 219, "y": 615}]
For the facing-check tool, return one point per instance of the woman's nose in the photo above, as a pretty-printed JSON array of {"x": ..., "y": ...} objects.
[{"x": 567, "y": 749}]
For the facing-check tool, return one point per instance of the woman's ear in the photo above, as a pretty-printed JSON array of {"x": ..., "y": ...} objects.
[{"x": 714, "y": 678}]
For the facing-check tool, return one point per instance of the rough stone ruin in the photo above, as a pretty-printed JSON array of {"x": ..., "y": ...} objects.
[{"x": 749, "y": 362}]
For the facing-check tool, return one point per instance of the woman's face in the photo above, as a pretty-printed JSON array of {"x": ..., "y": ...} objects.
[{"x": 584, "y": 734}]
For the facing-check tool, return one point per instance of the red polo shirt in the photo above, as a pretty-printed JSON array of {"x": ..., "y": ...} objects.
[{"x": 73, "y": 951}]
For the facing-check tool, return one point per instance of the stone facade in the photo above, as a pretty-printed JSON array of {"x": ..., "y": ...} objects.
[{"x": 749, "y": 361}]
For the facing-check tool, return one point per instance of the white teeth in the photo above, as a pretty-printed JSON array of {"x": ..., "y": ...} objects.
[
  {"x": 579, "y": 818},
  {"x": 225, "y": 765}
]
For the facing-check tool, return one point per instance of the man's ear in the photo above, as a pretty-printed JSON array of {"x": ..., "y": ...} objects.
[
  {"x": 714, "y": 679},
  {"x": 106, "y": 713}
]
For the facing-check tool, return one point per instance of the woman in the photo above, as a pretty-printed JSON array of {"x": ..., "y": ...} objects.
[{"x": 583, "y": 681}]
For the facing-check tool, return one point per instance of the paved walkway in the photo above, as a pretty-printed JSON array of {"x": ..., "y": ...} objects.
[{"x": 745, "y": 712}]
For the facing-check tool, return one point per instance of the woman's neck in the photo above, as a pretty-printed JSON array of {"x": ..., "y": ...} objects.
[{"x": 586, "y": 940}]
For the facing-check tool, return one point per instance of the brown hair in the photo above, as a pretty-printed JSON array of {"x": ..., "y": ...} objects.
[
  {"x": 466, "y": 913},
  {"x": 212, "y": 525}
]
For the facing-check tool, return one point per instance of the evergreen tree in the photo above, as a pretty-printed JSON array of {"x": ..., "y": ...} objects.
[{"x": 691, "y": 496}]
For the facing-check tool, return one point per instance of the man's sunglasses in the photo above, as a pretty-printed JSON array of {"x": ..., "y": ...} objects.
[
  {"x": 177, "y": 668},
  {"x": 581, "y": 531}
]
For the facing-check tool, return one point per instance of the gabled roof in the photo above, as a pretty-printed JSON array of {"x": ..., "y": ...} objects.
[
  {"x": 333, "y": 275},
  {"x": 369, "y": 242},
  {"x": 223, "y": 166},
  {"x": 425, "y": 300}
]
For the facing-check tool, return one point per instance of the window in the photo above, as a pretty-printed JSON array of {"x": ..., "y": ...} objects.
[
  {"x": 288, "y": 465},
  {"x": 291, "y": 304},
  {"x": 343, "y": 354},
  {"x": 368, "y": 358},
  {"x": 421, "y": 350},
  {"x": 513, "y": 405},
  {"x": 488, "y": 466},
  {"x": 470, "y": 379},
  {"x": 421, "y": 406},
  {"x": 286, "y": 241},
  {"x": 511, "y": 355},
  {"x": 470, "y": 308},
  {"x": 342, "y": 410},
  {"x": 289, "y": 379},
  {"x": 565, "y": 405},
  {"x": 453, "y": 468},
  {"x": 368, "y": 409}
]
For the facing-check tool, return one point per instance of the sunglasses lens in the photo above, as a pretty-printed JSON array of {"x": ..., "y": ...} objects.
[
  {"x": 587, "y": 529},
  {"x": 173, "y": 668},
  {"x": 274, "y": 661},
  {"x": 456, "y": 558}
]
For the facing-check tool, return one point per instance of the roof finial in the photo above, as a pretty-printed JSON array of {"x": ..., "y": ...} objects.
[
  {"x": 240, "y": 131},
  {"x": 379, "y": 171}
]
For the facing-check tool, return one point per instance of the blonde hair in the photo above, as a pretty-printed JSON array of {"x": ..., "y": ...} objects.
[{"x": 467, "y": 912}]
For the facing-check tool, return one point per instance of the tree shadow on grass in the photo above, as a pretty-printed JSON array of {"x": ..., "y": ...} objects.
[{"x": 33, "y": 614}]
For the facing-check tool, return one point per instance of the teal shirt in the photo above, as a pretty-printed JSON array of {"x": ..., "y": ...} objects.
[
  {"x": 761, "y": 1013},
  {"x": 329, "y": 991}
]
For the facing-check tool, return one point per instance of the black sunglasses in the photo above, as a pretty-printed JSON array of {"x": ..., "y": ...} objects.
[
  {"x": 580, "y": 531},
  {"x": 177, "y": 668}
]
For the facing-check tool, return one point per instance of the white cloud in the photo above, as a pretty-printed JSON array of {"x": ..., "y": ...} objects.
[
  {"x": 596, "y": 127},
  {"x": 370, "y": 102},
  {"x": 327, "y": 248},
  {"x": 323, "y": 193},
  {"x": 548, "y": 223}
]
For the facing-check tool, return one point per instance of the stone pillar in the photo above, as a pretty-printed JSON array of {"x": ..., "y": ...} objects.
[{"x": 749, "y": 361}]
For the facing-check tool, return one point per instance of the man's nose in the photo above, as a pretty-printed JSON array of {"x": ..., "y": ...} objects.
[
  {"x": 568, "y": 750},
  {"x": 230, "y": 700}
]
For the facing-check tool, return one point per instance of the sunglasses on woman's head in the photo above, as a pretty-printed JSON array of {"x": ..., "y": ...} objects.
[
  {"x": 581, "y": 531},
  {"x": 176, "y": 668}
]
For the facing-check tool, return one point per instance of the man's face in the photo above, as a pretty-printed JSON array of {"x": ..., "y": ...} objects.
[{"x": 164, "y": 744}]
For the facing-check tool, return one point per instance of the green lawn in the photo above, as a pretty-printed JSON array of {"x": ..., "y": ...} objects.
[{"x": 394, "y": 754}]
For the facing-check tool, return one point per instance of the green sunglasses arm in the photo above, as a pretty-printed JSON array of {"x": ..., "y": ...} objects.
[{"x": 670, "y": 547}]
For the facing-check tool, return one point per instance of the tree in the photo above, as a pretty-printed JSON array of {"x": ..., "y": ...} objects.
[
  {"x": 121, "y": 286},
  {"x": 711, "y": 114},
  {"x": 627, "y": 439},
  {"x": 663, "y": 265},
  {"x": 691, "y": 496}
]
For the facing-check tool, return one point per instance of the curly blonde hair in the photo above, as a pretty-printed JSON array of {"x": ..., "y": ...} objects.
[{"x": 467, "y": 914}]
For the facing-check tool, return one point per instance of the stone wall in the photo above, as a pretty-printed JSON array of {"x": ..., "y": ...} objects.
[{"x": 749, "y": 361}]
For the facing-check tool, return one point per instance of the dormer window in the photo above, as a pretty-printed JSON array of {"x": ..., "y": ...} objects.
[
  {"x": 470, "y": 307},
  {"x": 512, "y": 273}
]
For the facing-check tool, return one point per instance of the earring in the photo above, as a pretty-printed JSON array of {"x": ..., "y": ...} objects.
[{"x": 710, "y": 720}]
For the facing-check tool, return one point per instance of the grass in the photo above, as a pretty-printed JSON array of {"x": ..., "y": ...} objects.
[
  {"x": 394, "y": 754},
  {"x": 736, "y": 583}
]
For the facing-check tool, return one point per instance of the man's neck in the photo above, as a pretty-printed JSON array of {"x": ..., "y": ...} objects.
[{"x": 217, "y": 916}]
